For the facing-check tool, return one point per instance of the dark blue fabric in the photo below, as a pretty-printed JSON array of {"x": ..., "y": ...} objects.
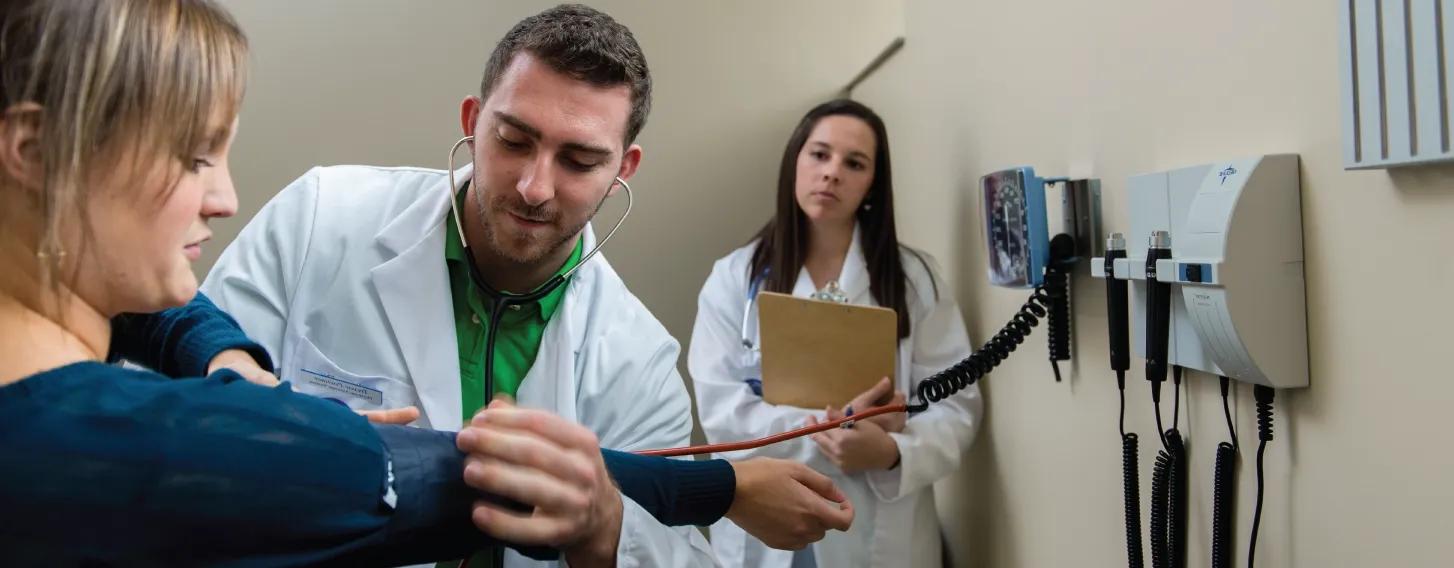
[
  {"x": 675, "y": 492},
  {"x": 100, "y": 464},
  {"x": 156, "y": 473},
  {"x": 103, "y": 464},
  {"x": 181, "y": 342}
]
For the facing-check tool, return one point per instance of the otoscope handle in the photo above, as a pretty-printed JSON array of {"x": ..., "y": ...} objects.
[
  {"x": 1158, "y": 308},
  {"x": 1117, "y": 303}
]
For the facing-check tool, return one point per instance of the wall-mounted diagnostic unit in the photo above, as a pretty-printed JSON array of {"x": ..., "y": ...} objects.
[
  {"x": 1214, "y": 259},
  {"x": 1234, "y": 230}
]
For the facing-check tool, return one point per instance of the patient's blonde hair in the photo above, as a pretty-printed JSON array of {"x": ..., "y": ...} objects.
[{"x": 141, "y": 78}]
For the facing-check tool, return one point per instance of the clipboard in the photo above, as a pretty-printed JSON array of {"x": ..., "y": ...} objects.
[{"x": 817, "y": 353}]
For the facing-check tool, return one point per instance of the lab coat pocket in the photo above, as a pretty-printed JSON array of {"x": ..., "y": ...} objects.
[{"x": 313, "y": 373}]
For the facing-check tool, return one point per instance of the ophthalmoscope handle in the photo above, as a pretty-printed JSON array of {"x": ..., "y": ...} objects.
[
  {"x": 1158, "y": 308},
  {"x": 1117, "y": 305}
]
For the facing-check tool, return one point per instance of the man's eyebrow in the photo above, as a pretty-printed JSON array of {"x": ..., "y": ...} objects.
[
  {"x": 518, "y": 124},
  {"x": 587, "y": 148},
  {"x": 533, "y": 132}
]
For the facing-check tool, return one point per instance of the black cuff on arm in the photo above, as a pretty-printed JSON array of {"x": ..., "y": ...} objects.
[
  {"x": 434, "y": 503},
  {"x": 675, "y": 492}
]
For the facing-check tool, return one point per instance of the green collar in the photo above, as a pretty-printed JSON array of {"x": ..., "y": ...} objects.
[{"x": 454, "y": 254}]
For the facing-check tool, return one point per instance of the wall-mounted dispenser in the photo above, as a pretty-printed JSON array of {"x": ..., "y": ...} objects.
[{"x": 1236, "y": 266}]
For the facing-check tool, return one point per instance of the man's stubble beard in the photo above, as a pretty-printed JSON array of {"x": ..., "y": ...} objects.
[{"x": 497, "y": 241}]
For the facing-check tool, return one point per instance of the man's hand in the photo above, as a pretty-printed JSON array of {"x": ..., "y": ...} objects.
[
  {"x": 865, "y": 447},
  {"x": 782, "y": 503},
  {"x": 543, "y": 461},
  {"x": 240, "y": 362},
  {"x": 399, "y": 416}
]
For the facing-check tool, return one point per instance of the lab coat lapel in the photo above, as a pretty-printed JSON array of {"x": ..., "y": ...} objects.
[
  {"x": 552, "y": 381},
  {"x": 413, "y": 288},
  {"x": 854, "y": 277}
]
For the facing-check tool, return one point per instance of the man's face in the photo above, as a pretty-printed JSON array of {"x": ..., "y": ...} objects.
[{"x": 547, "y": 151}]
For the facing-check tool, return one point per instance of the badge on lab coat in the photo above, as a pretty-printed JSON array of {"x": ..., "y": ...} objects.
[{"x": 312, "y": 373}]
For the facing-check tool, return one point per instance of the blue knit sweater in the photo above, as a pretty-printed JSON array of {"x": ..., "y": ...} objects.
[{"x": 100, "y": 463}]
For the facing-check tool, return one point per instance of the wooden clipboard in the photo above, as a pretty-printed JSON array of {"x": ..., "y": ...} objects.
[{"x": 817, "y": 354}]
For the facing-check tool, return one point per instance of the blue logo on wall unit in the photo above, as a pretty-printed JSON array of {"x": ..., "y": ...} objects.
[{"x": 1230, "y": 171}]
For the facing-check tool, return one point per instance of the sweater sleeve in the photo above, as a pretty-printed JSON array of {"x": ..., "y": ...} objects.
[
  {"x": 675, "y": 492},
  {"x": 135, "y": 469},
  {"x": 181, "y": 342}
]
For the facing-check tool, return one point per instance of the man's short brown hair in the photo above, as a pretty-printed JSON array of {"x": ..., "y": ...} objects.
[{"x": 582, "y": 43}]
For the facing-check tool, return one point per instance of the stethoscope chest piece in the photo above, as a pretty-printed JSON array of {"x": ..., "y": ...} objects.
[{"x": 831, "y": 293}]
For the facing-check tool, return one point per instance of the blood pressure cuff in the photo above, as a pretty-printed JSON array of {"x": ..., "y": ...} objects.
[{"x": 427, "y": 474}]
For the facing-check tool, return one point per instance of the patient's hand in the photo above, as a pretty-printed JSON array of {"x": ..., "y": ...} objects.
[
  {"x": 786, "y": 504},
  {"x": 242, "y": 363}
]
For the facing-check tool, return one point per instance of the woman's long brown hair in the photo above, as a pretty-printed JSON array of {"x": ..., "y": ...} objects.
[{"x": 782, "y": 244}]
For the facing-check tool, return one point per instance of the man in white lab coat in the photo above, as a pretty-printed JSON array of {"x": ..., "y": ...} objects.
[{"x": 358, "y": 279}]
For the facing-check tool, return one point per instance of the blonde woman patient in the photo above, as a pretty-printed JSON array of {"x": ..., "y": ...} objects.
[{"x": 116, "y": 119}]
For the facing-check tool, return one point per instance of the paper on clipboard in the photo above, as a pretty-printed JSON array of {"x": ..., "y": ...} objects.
[{"x": 817, "y": 354}]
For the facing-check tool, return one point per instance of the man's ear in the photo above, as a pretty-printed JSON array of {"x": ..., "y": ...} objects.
[
  {"x": 20, "y": 154},
  {"x": 629, "y": 161},
  {"x": 469, "y": 116}
]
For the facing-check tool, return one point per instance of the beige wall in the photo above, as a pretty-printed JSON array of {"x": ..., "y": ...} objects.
[
  {"x": 1358, "y": 474},
  {"x": 731, "y": 80}
]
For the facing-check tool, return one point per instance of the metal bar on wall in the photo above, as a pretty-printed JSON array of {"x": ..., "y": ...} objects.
[{"x": 889, "y": 51}]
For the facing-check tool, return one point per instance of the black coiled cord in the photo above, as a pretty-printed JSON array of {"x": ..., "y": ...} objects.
[
  {"x": 1264, "y": 396},
  {"x": 1160, "y": 497},
  {"x": 1130, "y": 474},
  {"x": 1133, "y": 499},
  {"x": 1176, "y": 531},
  {"x": 970, "y": 370},
  {"x": 1057, "y": 326},
  {"x": 1224, "y": 497},
  {"x": 1057, "y": 286},
  {"x": 1168, "y": 504}
]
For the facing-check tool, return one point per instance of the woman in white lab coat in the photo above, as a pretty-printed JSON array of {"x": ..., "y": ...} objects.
[{"x": 835, "y": 222}]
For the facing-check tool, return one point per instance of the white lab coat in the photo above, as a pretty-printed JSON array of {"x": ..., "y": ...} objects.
[
  {"x": 895, "y": 524},
  {"x": 342, "y": 277}
]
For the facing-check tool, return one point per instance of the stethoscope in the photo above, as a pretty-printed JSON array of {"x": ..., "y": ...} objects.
[
  {"x": 501, "y": 301},
  {"x": 747, "y": 342},
  {"x": 830, "y": 293}
]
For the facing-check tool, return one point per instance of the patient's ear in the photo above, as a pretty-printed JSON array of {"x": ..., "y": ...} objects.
[{"x": 20, "y": 156}]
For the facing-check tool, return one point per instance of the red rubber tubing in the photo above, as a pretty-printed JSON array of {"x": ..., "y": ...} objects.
[{"x": 775, "y": 438}]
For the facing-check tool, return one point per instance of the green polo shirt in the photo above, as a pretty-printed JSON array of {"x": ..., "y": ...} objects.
[
  {"x": 520, "y": 330},
  {"x": 516, "y": 346}
]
